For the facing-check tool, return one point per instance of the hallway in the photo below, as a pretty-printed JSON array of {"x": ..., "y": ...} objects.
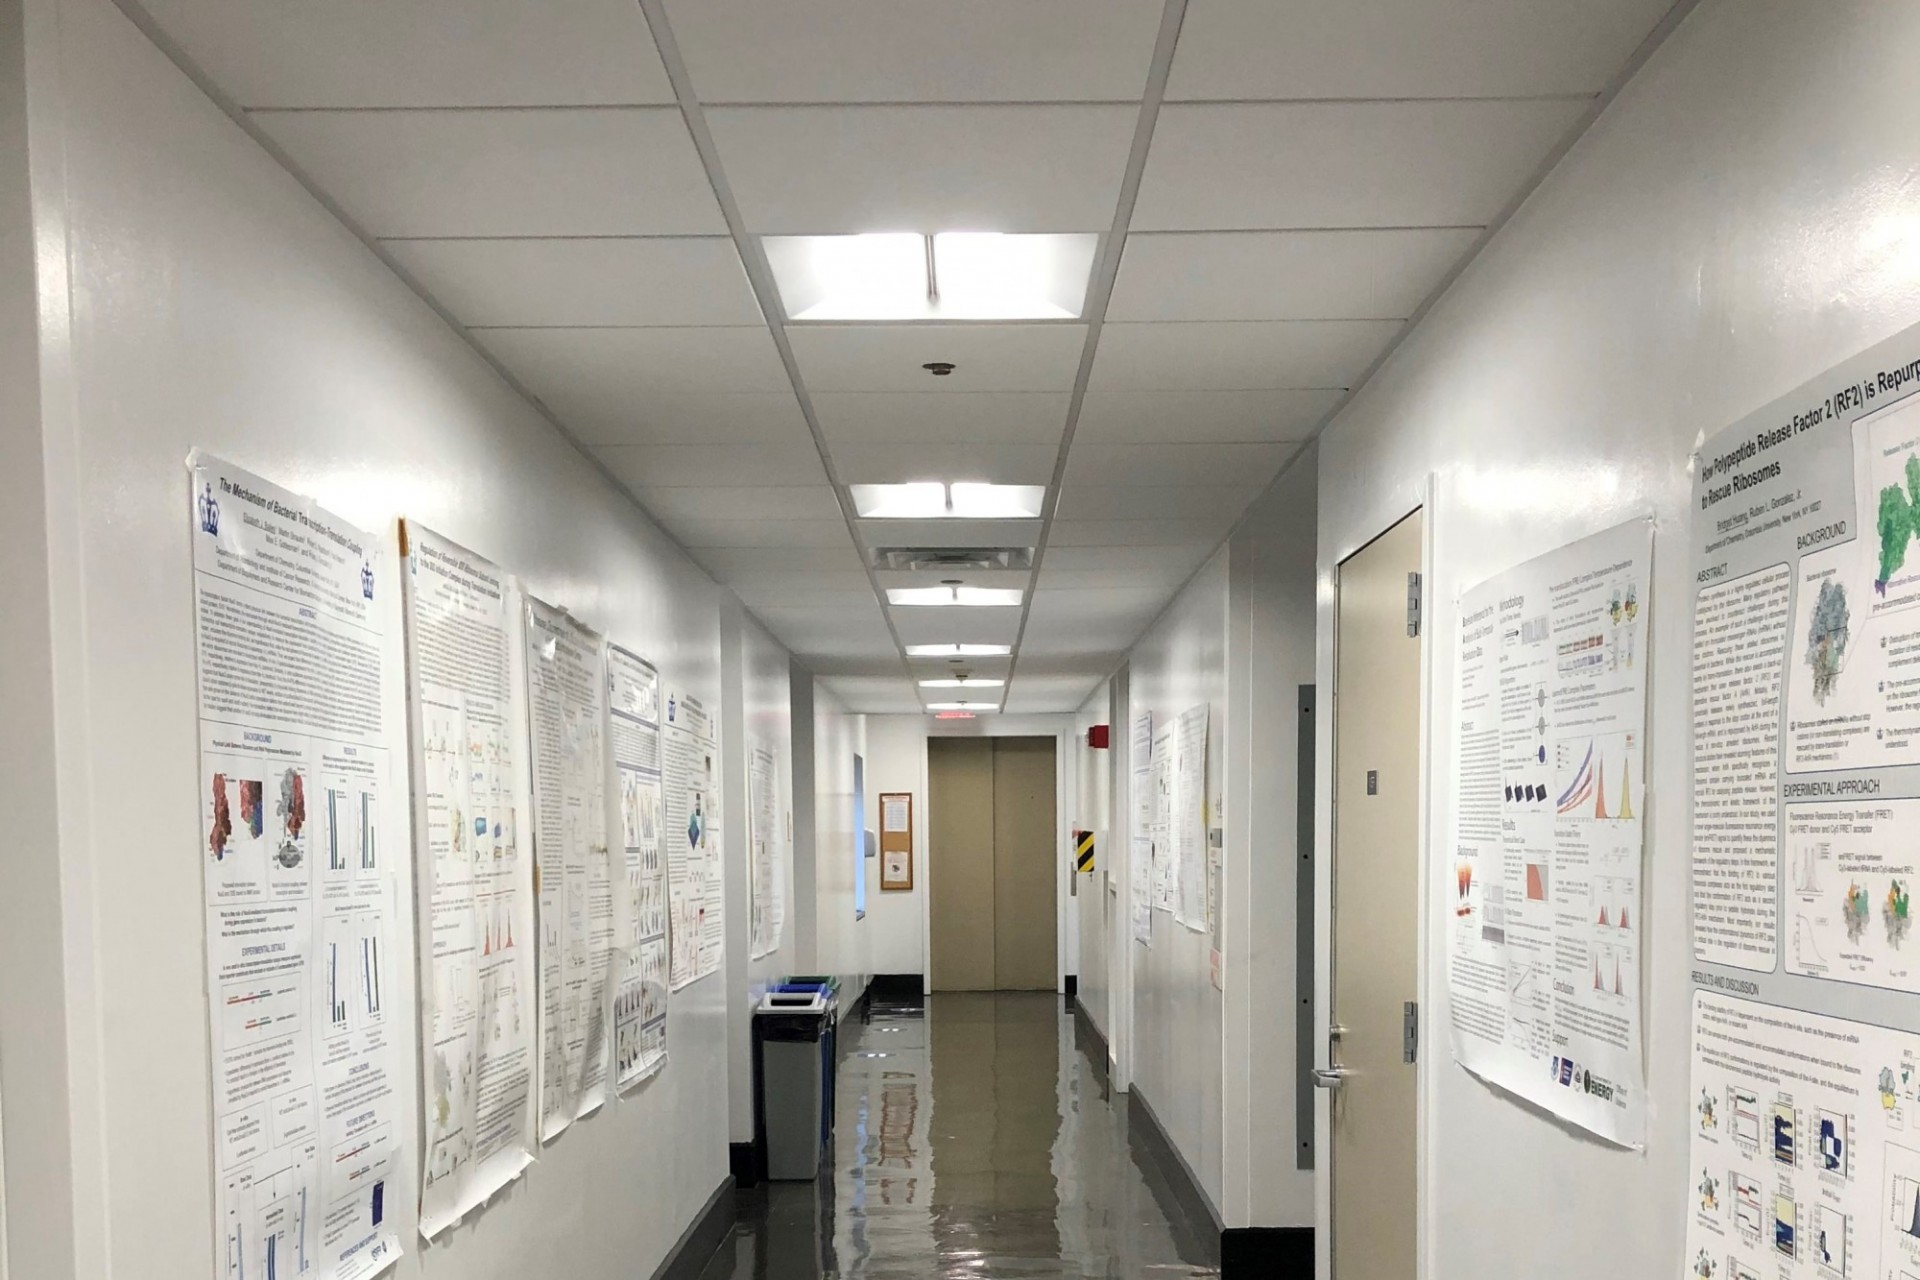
[{"x": 976, "y": 1139}]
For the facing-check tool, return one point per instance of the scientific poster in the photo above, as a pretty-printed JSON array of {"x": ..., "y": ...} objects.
[
  {"x": 566, "y": 716},
  {"x": 766, "y": 848},
  {"x": 1544, "y": 937},
  {"x": 475, "y": 882},
  {"x": 1163, "y": 778},
  {"x": 640, "y": 916},
  {"x": 1189, "y": 819},
  {"x": 301, "y": 880},
  {"x": 695, "y": 887},
  {"x": 1806, "y": 726},
  {"x": 1140, "y": 854}
]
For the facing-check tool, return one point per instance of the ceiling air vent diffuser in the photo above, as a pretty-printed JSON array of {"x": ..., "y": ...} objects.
[{"x": 952, "y": 559}]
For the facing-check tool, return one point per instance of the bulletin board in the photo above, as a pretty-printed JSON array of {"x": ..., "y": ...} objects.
[{"x": 896, "y": 841}]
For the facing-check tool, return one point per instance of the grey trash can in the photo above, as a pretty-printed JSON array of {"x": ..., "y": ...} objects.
[{"x": 792, "y": 1038}]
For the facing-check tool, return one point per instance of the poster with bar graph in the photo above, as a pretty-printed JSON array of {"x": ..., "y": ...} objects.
[
  {"x": 1544, "y": 956},
  {"x": 310, "y": 1076}
]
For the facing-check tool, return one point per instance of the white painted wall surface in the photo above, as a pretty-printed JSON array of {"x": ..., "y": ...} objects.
[
  {"x": 1270, "y": 654},
  {"x": 840, "y": 944},
  {"x": 197, "y": 296},
  {"x": 1178, "y": 1014},
  {"x": 758, "y": 704},
  {"x": 1743, "y": 216},
  {"x": 897, "y": 761},
  {"x": 1095, "y": 908}
]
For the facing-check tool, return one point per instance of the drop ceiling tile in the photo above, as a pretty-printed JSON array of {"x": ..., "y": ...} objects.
[
  {"x": 1372, "y": 164},
  {"x": 956, "y": 626},
  {"x": 1157, "y": 502},
  {"x": 799, "y": 502},
  {"x": 422, "y": 53},
  {"x": 801, "y": 591},
  {"x": 954, "y": 459},
  {"x": 1178, "y": 558},
  {"x": 1174, "y": 464},
  {"x": 1239, "y": 355},
  {"x": 1284, "y": 275},
  {"x": 1052, "y": 607},
  {"x": 1102, "y": 648},
  {"x": 612, "y": 378},
  {"x": 504, "y": 173},
  {"x": 819, "y": 170},
  {"x": 995, "y": 417},
  {"x": 843, "y": 633},
  {"x": 1039, "y": 695},
  {"x": 1096, "y": 666},
  {"x": 875, "y": 695},
  {"x": 635, "y": 280},
  {"x": 703, "y": 533},
  {"x": 650, "y": 466},
  {"x": 1106, "y": 530},
  {"x": 885, "y": 51},
  {"x": 729, "y": 563},
  {"x": 1155, "y": 577},
  {"x": 986, "y": 357},
  {"x": 1405, "y": 48},
  {"x": 1148, "y": 417},
  {"x": 870, "y": 659},
  {"x": 608, "y": 409},
  {"x": 949, "y": 533}
]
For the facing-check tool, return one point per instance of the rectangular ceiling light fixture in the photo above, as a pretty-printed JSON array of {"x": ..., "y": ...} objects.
[
  {"x": 963, "y": 706},
  {"x": 946, "y": 597},
  {"x": 959, "y": 650},
  {"x": 954, "y": 275},
  {"x": 962, "y": 684},
  {"x": 935, "y": 500}
]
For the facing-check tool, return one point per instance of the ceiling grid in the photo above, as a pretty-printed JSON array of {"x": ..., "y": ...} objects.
[{"x": 1279, "y": 187}]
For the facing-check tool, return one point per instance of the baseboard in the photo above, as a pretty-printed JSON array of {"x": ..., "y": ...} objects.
[
  {"x": 898, "y": 988},
  {"x": 747, "y": 1162},
  {"x": 699, "y": 1242},
  {"x": 1084, "y": 1026},
  {"x": 1269, "y": 1253},
  {"x": 1189, "y": 1204}
]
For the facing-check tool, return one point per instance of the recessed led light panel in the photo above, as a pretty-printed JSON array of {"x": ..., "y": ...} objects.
[
  {"x": 934, "y": 500},
  {"x": 955, "y": 275},
  {"x": 962, "y": 684},
  {"x": 959, "y": 650},
  {"x": 963, "y": 706},
  {"x": 946, "y": 597}
]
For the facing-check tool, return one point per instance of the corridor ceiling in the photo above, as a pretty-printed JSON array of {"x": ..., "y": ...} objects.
[{"x": 1278, "y": 186}]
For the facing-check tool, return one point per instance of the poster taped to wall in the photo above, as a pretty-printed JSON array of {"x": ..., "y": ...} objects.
[
  {"x": 640, "y": 899},
  {"x": 301, "y": 880},
  {"x": 1806, "y": 746},
  {"x": 1188, "y": 836},
  {"x": 474, "y": 878},
  {"x": 690, "y": 767},
  {"x": 767, "y": 862},
  {"x": 566, "y": 714},
  {"x": 1140, "y": 852},
  {"x": 1162, "y": 781},
  {"x": 1544, "y": 946}
]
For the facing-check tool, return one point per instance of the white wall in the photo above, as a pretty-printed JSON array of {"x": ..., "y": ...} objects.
[
  {"x": 1178, "y": 1024},
  {"x": 834, "y": 942},
  {"x": 1270, "y": 655},
  {"x": 897, "y": 761},
  {"x": 1095, "y": 909},
  {"x": 194, "y": 295},
  {"x": 1744, "y": 215},
  {"x": 758, "y": 705}
]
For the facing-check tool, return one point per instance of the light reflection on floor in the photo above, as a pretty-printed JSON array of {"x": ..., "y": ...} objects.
[{"x": 976, "y": 1140}]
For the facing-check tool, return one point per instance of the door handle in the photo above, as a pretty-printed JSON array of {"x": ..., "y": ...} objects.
[{"x": 1330, "y": 1077}]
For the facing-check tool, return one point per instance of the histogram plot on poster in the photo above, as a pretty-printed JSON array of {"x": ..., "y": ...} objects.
[
  {"x": 1598, "y": 778},
  {"x": 1903, "y": 1192}
]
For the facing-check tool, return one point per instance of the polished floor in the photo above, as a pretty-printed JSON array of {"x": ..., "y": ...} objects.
[{"x": 975, "y": 1139}]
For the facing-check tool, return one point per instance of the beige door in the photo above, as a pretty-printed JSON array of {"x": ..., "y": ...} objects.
[
  {"x": 1376, "y": 907},
  {"x": 960, "y": 861},
  {"x": 991, "y": 835},
  {"x": 1025, "y": 847}
]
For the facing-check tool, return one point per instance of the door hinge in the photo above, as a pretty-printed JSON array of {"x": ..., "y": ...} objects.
[
  {"x": 1413, "y": 604},
  {"x": 1410, "y": 1033}
]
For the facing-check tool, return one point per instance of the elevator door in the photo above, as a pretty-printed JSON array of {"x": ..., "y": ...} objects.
[{"x": 992, "y": 858}]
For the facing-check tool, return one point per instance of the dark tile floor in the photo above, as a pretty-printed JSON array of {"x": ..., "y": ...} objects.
[{"x": 975, "y": 1139}]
